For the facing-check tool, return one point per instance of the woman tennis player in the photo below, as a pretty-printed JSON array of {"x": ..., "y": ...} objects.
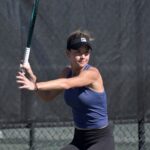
[{"x": 83, "y": 92}]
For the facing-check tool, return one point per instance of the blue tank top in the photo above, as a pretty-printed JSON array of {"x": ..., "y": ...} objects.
[{"x": 89, "y": 107}]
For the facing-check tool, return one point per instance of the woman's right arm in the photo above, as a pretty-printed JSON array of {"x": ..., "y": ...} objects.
[{"x": 28, "y": 81}]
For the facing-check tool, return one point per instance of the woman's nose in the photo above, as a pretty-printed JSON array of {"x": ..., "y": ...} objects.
[{"x": 82, "y": 55}]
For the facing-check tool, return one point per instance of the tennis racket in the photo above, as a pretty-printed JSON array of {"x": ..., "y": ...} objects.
[
  {"x": 30, "y": 32},
  {"x": 25, "y": 95}
]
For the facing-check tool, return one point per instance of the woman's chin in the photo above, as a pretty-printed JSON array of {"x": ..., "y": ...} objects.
[{"x": 82, "y": 64}]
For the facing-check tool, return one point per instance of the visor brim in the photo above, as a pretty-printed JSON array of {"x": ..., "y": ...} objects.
[{"x": 79, "y": 45}]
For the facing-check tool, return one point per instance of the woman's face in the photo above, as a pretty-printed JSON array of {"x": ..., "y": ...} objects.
[{"x": 80, "y": 57}]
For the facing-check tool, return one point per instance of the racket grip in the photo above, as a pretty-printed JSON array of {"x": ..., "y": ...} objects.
[
  {"x": 25, "y": 59},
  {"x": 26, "y": 55}
]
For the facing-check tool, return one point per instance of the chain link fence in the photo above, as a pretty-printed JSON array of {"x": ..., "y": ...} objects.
[{"x": 46, "y": 137}]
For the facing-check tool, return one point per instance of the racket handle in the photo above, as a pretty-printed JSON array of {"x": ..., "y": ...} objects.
[
  {"x": 25, "y": 59},
  {"x": 26, "y": 55}
]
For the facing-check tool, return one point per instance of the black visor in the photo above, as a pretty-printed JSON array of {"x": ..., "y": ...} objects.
[{"x": 79, "y": 42}]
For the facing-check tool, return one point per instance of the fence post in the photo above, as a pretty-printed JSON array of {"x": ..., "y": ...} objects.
[
  {"x": 140, "y": 74},
  {"x": 31, "y": 136},
  {"x": 141, "y": 135}
]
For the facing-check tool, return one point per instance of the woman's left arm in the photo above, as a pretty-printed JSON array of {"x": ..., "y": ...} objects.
[{"x": 85, "y": 78}]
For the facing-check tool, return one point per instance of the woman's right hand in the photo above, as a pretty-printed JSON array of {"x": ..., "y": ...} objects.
[
  {"x": 25, "y": 83},
  {"x": 28, "y": 71}
]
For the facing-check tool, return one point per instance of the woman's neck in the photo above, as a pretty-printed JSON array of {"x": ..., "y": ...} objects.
[{"x": 76, "y": 71}]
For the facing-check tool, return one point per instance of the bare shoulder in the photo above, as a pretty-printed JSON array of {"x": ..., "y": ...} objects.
[
  {"x": 98, "y": 84},
  {"x": 96, "y": 74},
  {"x": 94, "y": 71},
  {"x": 64, "y": 73}
]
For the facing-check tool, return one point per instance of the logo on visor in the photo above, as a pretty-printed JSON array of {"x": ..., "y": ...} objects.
[{"x": 83, "y": 39}]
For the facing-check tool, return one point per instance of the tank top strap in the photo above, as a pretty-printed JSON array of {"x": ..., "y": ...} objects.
[{"x": 86, "y": 67}]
